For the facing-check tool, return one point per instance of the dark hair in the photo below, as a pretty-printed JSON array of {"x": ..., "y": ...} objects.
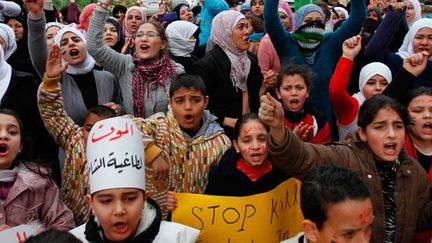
[
  {"x": 245, "y": 119},
  {"x": 292, "y": 69},
  {"x": 338, "y": 24},
  {"x": 26, "y": 141},
  {"x": 28, "y": 153},
  {"x": 373, "y": 105},
  {"x": 327, "y": 185},
  {"x": 101, "y": 110},
  {"x": 53, "y": 235},
  {"x": 178, "y": 8},
  {"x": 120, "y": 41},
  {"x": 187, "y": 81},
  {"x": 257, "y": 23},
  {"x": 196, "y": 10},
  {"x": 415, "y": 93},
  {"x": 119, "y": 8},
  {"x": 325, "y": 8},
  {"x": 231, "y": 3}
]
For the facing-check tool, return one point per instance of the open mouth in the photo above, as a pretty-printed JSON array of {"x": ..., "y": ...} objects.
[
  {"x": 120, "y": 227},
  {"x": 74, "y": 53},
  {"x": 144, "y": 47},
  {"x": 3, "y": 149},
  {"x": 390, "y": 146},
  {"x": 188, "y": 118},
  {"x": 294, "y": 102},
  {"x": 427, "y": 125}
]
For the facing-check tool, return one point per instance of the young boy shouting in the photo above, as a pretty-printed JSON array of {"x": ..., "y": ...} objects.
[
  {"x": 122, "y": 212},
  {"x": 189, "y": 136}
]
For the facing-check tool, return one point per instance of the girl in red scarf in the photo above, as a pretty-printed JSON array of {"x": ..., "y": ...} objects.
[{"x": 244, "y": 169}]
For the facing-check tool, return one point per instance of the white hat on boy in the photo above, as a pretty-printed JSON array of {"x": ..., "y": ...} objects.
[{"x": 115, "y": 155}]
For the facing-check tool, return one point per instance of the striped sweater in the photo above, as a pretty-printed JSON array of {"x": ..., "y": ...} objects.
[{"x": 70, "y": 137}]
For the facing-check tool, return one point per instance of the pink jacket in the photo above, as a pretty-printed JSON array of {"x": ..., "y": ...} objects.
[
  {"x": 267, "y": 56},
  {"x": 34, "y": 200}
]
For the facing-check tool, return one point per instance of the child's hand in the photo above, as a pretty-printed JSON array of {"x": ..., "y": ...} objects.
[
  {"x": 351, "y": 47},
  {"x": 160, "y": 168},
  {"x": 269, "y": 79},
  {"x": 416, "y": 63},
  {"x": 171, "y": 203},
  {"x": 54, "y": 67},
  {"x": 115, "y": 107},
  {"x": 127, "y": 44},
  {"x": 304, "y": 131}
]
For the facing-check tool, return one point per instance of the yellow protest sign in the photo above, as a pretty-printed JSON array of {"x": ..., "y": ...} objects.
[{"x": 262, "y": 218}]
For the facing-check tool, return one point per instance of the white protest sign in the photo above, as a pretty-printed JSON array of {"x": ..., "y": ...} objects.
[{"x": 17, "y": 234}]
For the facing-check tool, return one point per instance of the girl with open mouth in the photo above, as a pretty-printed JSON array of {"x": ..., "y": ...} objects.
[
  {"x": 375, "y": 153},
  {"x": 292, "y": 89},
  {"x": 145, "y": 76},
  {"x": 28, "y": 195}
]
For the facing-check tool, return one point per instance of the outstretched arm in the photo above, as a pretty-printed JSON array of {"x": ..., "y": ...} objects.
[
  {"x": 273, "y": 25},
  {"x": 345, "y": 105}
]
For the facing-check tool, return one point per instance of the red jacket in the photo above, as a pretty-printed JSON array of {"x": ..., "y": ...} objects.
[{"x": 412, "y": 151}]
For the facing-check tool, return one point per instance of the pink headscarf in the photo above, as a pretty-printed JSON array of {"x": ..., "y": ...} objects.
[
  {"x": 220, "y": 34},
  {"x": 285, "y": 8},
  {"x": 127, "y": 33},
  {"x": 84, "y": 17}
]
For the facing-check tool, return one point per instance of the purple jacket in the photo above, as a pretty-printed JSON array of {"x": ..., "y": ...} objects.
[{"x": 34, "y": 200}]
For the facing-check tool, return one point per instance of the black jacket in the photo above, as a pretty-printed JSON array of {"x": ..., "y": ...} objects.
[
  {"x": 225, "y": 100},
  {"x": 226, "y": 180}
]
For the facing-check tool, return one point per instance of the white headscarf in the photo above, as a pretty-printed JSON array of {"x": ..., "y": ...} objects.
[
  {"x": 417, "y": 12},
  {"x": 8, "y": 36},
  {"x": 220, "y": 34},
  {"x": 343, "y": 10},
  {"x": 179, "y": 34},
  {"x": 88, "y": 63},
  {"x": 5, "y": 74},
  {"x": 366, "y": 73},
  {"x": 407, "y": 49},
  {"x": 53, "y": 24}
]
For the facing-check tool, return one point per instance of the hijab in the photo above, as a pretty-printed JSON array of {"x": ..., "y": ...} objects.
[
  {"x": 285, "y": 8},
  {"x": 407, "y": 49},
  {"x": 53, "y": 24},
  {"x": 84, "y": 17},
  {"x": 417, "y": 12},
  {"x": 127, "y": 33},
  {"x": 8, "y": 36},
  {"x": 5, "y": 74},
  {"x": 368, "y": 72},
  {"x": 220, "y": 34},
  {"x": 179, "y": 38},
  {"x": 303, "y": 11},
  {"x": 119, "y": 44},
  {"x": 88, "y": 63}
]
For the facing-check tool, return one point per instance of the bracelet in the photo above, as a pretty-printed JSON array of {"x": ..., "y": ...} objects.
[{"x": 102, "y": 5}]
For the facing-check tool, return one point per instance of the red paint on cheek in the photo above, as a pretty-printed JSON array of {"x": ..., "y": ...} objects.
[
  {"x": 365, "y": 216},
  {"x": 246, "y": 150}
]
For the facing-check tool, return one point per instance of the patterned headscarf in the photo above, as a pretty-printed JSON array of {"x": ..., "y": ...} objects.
[
  {"x": 220, "y": 34},
  {"x": 303, "y": 11},
  {"x": 285, "y": 8},
  {"x": 368, "y": 72},
  {"x": 407, "y": 48},
  {"x": 84, "y": 17},
  {"x": 417, "y": 12},
  {"x": 127, "y": 33},
  {"x": 8, "y": 36}
]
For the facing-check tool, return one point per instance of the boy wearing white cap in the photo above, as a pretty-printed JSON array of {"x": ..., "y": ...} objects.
[{"x": 122, "y": 211}]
